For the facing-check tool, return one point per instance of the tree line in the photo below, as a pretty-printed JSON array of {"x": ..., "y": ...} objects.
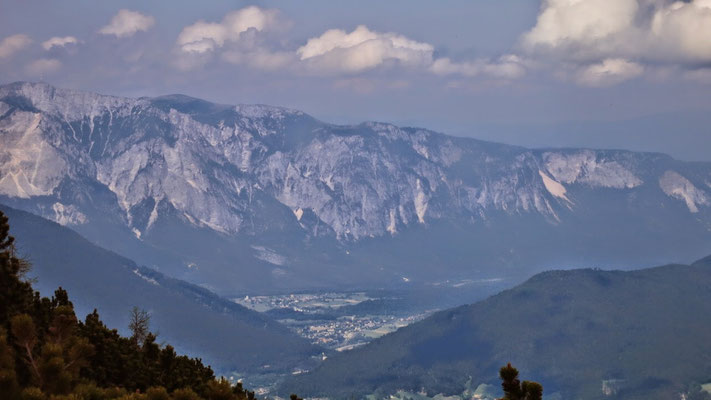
[{"x": 47, "y": 353}]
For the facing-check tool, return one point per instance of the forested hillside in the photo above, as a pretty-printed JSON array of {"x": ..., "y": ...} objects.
[
  {"x": 190, "y": 317},
  {"x": 47, "y": 353}
]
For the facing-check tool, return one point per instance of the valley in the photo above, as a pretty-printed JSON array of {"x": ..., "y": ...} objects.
[
  {"x": 345, "y": 320},
  {"x": 326, "y": 320},
  {"x": 337, "y": 321}
]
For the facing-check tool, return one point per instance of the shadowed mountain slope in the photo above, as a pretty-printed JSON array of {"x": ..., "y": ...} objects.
[
  {"x": 640, "y": 334},
  {"x": 194, "y": 320}
]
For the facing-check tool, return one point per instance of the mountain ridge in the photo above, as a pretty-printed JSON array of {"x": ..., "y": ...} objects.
[
  {"x": 286, "y": 196},
  {"x": 585, "y": 333}
]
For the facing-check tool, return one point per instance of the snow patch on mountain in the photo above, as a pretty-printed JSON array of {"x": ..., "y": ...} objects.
[
  {"x": 269, "y": 255},
  {"x": 68, "y": 215},
  {"x": 392, "y": 225},
  {"x": 675, "y": 185},
  {"x": 146, "y": 278},
  {"x": 587, "y": 167},
  {"x": 553, "y": 187},
  {"x": 266, "y": 112},
  {"x": 420, "y": 202}
]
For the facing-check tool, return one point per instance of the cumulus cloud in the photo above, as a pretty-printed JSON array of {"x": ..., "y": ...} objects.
[
  {"x": 338, "y": 51},
  {"x": 609, "y": 72},
  {"x": 43, "y": 66},
  {"x": 586, "y": 24},
  {"x": 12, "y": 44},
  {"x": 247, "y": 37},
  {"x": 509, "y": 66},
  {"x": 127, "y": 23},
  {"x": 59, "y": 42},
  {"x": 202, "y": 36},
  {"x": 363, "y": 49},
  {"x": 684, "y": 30},
  {"x": 610, "y": 41},
  {"x": 619, "y": 36}
]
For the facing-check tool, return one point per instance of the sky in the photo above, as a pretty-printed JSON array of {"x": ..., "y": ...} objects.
[{"x": 632, "y": 74}]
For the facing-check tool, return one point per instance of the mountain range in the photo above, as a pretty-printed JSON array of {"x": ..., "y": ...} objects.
[{"x": 251, "y": 198}]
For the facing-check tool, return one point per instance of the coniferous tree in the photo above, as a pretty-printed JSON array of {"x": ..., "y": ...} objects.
[
  {"x": 16, "y": 295},
  {"x": 219, "y": 390},
  {"x": 514, "y": 389},
  {"x": 241, "y": 393},
  {"x": 8, "y": 377},
  {"x": 157, "y": 393},
  {"x": 23, "y": 330},
  {"x": 63, "y": 353},
  {"x": 185, "y": 394}
]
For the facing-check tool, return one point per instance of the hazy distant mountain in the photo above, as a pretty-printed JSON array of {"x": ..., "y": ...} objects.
[
  {"x": 254, "y": 198},
  {"x": 584, "y": 334},
  {"x": 225, "y": 334},
  {"x": 685, "y": 135}
]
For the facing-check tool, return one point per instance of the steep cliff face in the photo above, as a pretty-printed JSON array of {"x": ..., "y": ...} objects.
[{"x": 269, "y": 175}]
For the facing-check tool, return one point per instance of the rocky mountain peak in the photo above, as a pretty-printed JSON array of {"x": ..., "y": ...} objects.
[{"x": 78, "y": 158}]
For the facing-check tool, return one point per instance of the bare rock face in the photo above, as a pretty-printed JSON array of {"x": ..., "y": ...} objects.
[
  {"x": 253, "y": 170},
  {"x": 681, "y": 188}
]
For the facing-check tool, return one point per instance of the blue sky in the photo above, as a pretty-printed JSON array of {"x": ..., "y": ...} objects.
[{"x": 599, "y": 73}]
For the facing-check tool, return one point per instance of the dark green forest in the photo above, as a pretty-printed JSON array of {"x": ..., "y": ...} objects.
[{"x": 47, "y": 353}]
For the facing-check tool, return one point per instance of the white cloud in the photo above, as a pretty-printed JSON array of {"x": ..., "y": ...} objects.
[
  {"x": 12, "y": 44},
  {"x": 614, "y": 40},
  {"x": 338, "y": 51},
  {"x": 59, "y": 42},
  {"x": 566, "y": 23},
  {"x": 647, "y": 30},
  {"x": 246, "y": 37},
  {"x": 684, "y": 30},
  {"x": 509, "y": 66},
  {"x": 363, "y": 49},
  {"x": 202, "y": 36},
  {"x": 127, "y": 23},
  {"x": 609, "y": 72},
  {"x": 43, "y": 66}
]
